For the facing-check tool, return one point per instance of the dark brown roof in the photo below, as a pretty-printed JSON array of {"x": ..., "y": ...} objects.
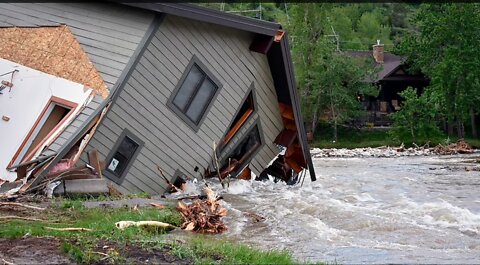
[{"x": 390, "y": 62}]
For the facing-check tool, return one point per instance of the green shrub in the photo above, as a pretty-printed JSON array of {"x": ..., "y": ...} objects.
[{"x": 416, "y": 121}]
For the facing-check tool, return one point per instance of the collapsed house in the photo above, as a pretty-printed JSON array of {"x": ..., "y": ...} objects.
[{"x": 193, "y": 92}]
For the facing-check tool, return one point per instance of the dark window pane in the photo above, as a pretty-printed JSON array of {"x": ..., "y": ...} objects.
[
  {"x": 122, "y": 156},
  {"x": 127, "y": 147},
  {"x": 201, "y": 100},
  {"x": 188, "y": 87},
  {"x": 251, "y": 141}
]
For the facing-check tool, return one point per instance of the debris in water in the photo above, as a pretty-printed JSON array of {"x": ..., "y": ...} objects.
[{"x": 255, "y": 217}]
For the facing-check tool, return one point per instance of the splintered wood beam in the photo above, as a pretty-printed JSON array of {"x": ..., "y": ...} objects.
[
  {"x": 21, "y": 205},
  {"x": 70, "y": 229},
  {"x": 237, "y": 126},
  {"x": 261, "y": 43},
  {"x": 95, "y": 161}
]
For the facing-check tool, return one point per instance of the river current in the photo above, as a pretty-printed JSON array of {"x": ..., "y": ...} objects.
[{"x": 366, "y": 210}]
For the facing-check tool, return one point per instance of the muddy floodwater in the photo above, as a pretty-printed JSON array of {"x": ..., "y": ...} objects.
[{"x": 367, "y": 210}]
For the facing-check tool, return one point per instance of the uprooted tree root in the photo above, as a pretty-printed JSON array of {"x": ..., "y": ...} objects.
[
  {"x": 460, "y": 147},
  {"x": 203, "y": 216}
]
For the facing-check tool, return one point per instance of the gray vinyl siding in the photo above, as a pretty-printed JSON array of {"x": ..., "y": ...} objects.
[
  {"x": 228, "y": 50},
  {"x": 169, "y": 142},
  {"x": 108, "y": 33}
]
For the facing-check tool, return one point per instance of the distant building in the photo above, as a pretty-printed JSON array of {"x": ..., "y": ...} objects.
[{"x": 391, "y": 79}]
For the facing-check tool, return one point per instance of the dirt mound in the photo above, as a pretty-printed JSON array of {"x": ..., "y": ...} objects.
[
  {"x": 137, "y": 255},
  {"x": 32, "y": 250}
]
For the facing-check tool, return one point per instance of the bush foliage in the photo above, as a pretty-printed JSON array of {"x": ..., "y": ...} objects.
[{"x": 417, "y": 118}]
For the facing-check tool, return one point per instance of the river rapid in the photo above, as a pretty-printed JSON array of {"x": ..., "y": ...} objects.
[{"x": 366, "y": 210}]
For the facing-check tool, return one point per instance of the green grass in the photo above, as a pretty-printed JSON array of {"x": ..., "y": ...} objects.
[
  {"x": 206, "y": 250},
  {"x": 83, "y": 246},
  {"x": 101, "y": 221},
  {"x": 352, "y": 138}
]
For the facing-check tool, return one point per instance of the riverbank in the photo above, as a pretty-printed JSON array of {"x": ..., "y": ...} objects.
[
  {"x": 32, "y": 235},
  {"x": 386, "y": 151},
  {"x": 351, "y": 138}
]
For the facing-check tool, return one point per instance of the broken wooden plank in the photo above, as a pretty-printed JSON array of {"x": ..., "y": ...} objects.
[
  {"x": 70, "y": 229},
  {"x": 22, "y": 218},
  {"x": 39, "y": 159},
  {"x": 21, "y": 205},
  {"x": 95, "y": 162}
]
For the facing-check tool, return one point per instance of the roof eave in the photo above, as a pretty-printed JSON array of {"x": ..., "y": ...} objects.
[
  {"x": 204, "y": 14},
  {"x": 291, "y": 83}
]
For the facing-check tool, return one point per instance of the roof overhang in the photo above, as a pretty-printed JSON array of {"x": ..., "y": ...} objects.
[{"x": 211, "y": 16}]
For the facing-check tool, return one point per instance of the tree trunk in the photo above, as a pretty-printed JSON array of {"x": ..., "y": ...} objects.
[
  {"x": 444, "y": 125},
  {"x": 332, "y": 109},
  {"x": 450, "y": 127},
  {"x": 315, "y": 114},
  {"x": 460, "y": 129},
  {"x": 412, "y": 132},
  {"x": 314, "y": 122},
  {"x": 335, "y": 131},
  {"x": 474, "y": 124}
]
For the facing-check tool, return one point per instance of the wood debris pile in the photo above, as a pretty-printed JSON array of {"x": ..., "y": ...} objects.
[
  {"x": 460, "y": 147},
  {"x": 203, "y": 216}
]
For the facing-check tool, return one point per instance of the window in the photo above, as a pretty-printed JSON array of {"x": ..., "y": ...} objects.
[
  {"x": 55, "y": 113},
  {"x": 245, "y": 150},
  {"x": 245, "y": 111},
  {"x": 194, "y": 93},
  {"x": 122, "y": 155}
]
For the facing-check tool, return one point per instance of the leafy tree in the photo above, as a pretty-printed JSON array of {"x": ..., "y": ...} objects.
[
  {"x": 329, "y": 81},
  {"x": 370, "y": 29},
  {"x": 417, "y": 117},
  {"x": 341, "y": 81},
  {"x": 444, "y": 47},
  {"x": 306, "y": 29}
]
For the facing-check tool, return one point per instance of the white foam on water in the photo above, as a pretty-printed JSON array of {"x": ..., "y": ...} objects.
[
  {"x": 239, "y": 187},
  {"x": 446, "y": 215},
  {"x": 192, "y": 187},
  {"x": 370, "y": 210}
]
